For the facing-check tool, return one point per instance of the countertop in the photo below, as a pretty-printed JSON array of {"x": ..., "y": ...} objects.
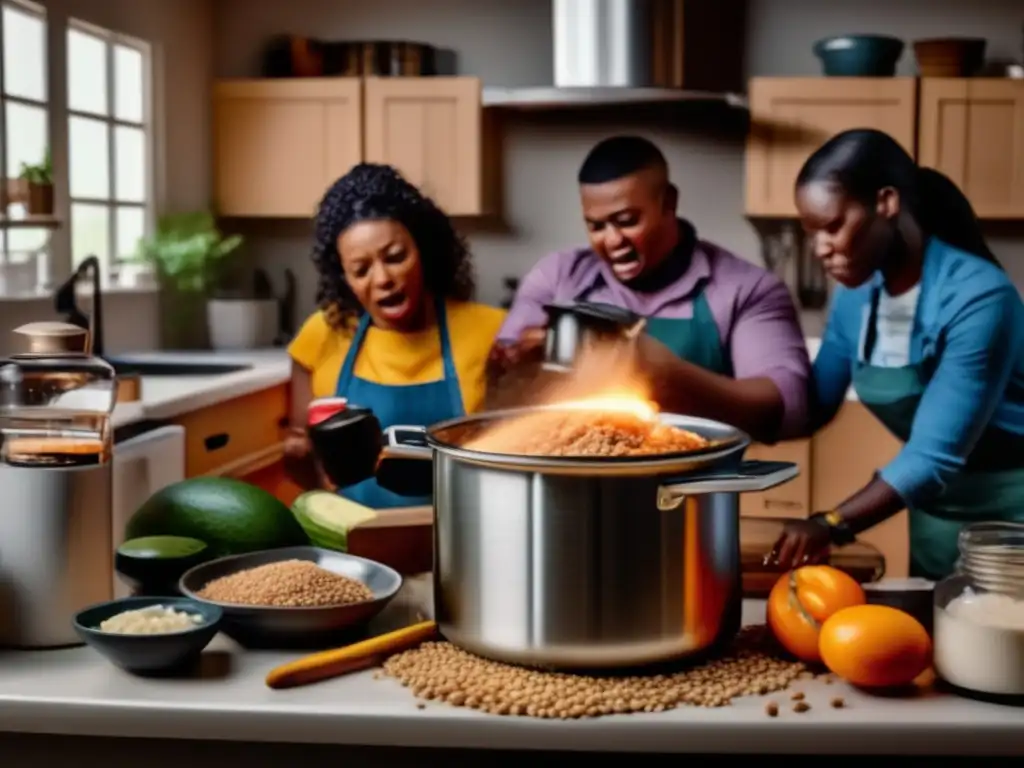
[
  {"x": 75, "y": 692},
  {"x": 165, "y": 397}
]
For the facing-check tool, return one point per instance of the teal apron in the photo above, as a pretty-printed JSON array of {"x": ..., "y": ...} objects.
[
  {"x": 694, "y": 339},
  {"x": 398, "y": 405},
  {"x": 991, "y": 487}
]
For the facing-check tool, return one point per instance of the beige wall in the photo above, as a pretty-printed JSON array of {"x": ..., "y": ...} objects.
[
  {"x": 509, "y": 43},
  {"x": 180, "y": 32}
]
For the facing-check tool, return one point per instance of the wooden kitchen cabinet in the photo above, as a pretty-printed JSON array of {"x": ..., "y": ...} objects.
[
  {"x": 844, "y": 456},
  {"x": 237, "y": 436},
  {"x": 790, "y": 117},
  {"x": 431, "y": 130},
  {"x": 278, "y": 144},
  {"x": 973, "y": 131}
]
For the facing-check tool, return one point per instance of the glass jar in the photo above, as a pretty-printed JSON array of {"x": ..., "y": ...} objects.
[
  {"x": 979, "y": 612},
  {"x": 56, "y": 400}
]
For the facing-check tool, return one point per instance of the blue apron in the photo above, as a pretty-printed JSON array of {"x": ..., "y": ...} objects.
[
  {"x": 400, "y": 404},
  {"x": 991, "y": 487}
]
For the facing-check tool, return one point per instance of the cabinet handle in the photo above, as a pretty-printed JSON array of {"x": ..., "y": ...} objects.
[
  {"x": 216, "y": 442},
  {"x": 779, "y": 503}
]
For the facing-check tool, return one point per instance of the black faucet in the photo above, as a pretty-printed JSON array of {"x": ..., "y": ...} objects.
[{"x": 65, "y": 302}]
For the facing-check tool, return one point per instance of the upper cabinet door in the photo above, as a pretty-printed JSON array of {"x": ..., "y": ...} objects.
[
  {"x": 973, "y": 131},
  {"x": 429, "y": 128},
  {"x": 280, "y": 143},
  {"x": 791, "y": 117}
]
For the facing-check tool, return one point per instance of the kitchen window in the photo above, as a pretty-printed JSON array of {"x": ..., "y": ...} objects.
[
  {"x": 24, "y": 140},
  {"x": 110, "y": 150}
]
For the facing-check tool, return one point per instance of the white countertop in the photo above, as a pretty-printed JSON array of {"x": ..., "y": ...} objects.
[
  {"x": 164, "y": 397},
  {"x": 75, "y": 692}
]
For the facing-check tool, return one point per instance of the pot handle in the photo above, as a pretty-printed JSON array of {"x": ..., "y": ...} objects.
[
  {"x": 749, "y": 476},
  {"x": 406, "y": 464}
]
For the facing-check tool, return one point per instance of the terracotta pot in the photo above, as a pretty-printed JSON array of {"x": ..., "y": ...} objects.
[{"x": 40, "y": 199}]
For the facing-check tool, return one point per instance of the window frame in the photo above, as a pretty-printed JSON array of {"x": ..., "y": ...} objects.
[
  {"x": 38, "y": 11},
  {"x": 111, "y": 39}
]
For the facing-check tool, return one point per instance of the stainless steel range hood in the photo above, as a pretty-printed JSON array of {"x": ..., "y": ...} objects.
[{"x": 602, "y": 57}]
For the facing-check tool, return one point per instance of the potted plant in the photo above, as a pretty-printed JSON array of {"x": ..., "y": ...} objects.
[
  {"x": 39, "y": 178},
  {"x": 193, "y": 259},
  {"x": 188, "y": 254}
]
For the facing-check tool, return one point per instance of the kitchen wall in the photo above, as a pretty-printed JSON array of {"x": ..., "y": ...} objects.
[
  {"x": 509, "y": 43},
  {"x": 180, "y": 32}
]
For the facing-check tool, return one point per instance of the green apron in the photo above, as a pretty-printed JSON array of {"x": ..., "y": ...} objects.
[
  {"x": 983, "y": 492},
  {"x": 694, "y": 339}
]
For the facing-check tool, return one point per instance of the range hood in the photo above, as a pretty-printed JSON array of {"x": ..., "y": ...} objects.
[{"x": 602, "y": 57}]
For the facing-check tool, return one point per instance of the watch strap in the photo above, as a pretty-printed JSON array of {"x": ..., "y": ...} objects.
[{"x": 839, "y": 530}]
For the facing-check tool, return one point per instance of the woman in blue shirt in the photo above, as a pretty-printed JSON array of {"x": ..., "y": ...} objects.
[{"x": 929, "y": 330}]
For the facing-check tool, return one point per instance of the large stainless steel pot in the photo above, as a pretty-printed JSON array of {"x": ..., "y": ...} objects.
[{"x": 585, "y": 562}]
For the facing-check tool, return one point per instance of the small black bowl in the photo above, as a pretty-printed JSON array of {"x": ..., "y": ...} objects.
[
  {"x": 149, "y": 654},
  {"x": 152, "y": 565}
]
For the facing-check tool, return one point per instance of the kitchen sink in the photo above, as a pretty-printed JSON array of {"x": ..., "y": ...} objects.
[{"x": 127, "y": 366}]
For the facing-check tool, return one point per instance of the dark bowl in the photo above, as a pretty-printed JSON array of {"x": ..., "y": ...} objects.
[
  {"x": 347, "y": 445},
  {"x": 152, "y": 565},
  {"x": 317, "y": 627},
  {"x": 859, "y": 55},
  {"x": 148, "y": 654}
]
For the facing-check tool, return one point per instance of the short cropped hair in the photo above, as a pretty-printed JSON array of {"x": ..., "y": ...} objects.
[{"x": 619, "y": 156}]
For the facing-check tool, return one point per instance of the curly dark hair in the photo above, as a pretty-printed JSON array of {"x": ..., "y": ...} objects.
[{"x": 369, "y": 192}]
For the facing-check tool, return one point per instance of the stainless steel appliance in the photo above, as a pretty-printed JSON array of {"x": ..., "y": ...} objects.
[
  {"x": 585, "y": 562},
  {"x": 56, "y": 400}
]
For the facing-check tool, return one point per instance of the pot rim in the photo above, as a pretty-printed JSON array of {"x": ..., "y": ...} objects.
[{"x": 730, "y": 442}]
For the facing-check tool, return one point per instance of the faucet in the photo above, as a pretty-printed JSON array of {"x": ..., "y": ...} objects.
[{"x": 65, "y": 302}]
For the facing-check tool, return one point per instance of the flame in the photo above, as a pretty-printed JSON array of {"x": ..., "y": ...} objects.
[{"x": 625, "y": 402}]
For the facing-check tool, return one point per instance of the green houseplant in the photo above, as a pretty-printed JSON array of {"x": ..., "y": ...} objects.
[
  {"x": 189, "y": 255},
  {"x": 188, "y": 251},
  {"x": 39, "y": 179}
]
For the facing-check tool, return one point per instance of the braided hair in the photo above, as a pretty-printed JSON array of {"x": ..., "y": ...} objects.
[{"x": 373, "y": 192}]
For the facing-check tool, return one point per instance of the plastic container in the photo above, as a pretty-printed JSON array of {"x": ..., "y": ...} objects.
[
  {"x": 979, "y": 613},
  {"x": 859, "y": 55}
]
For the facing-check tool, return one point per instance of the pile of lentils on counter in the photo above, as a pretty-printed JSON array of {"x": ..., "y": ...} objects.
[
  {"x": 443, "y": 672},
  {"x": 287, "y": 584}
]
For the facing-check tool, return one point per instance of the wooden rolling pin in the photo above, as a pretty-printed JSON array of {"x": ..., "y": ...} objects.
[{"x": 351, "y": 658}]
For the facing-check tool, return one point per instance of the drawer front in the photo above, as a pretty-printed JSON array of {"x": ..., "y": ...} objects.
[
  {"x": 789, "y": 500},
  {"x": 227, "y": 432}
]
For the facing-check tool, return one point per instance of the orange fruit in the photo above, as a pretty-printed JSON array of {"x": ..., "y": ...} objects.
[
  {"x": 802, "y": 600},
  {"x": 875, "y": 646}
]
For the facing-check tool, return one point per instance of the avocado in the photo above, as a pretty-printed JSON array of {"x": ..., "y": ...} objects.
[
  {"x": 327, "y": 518},
  {"x": 231, "y": 517}
]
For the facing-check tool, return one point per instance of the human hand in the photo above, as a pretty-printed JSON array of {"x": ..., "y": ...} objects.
[
  {"x": 529, "y": 347},
  {"x": 803, "y": 542},
  {"x": 297, "y": 444}
]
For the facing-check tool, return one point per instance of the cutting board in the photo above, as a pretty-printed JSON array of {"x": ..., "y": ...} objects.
[{"x": 402, "y": 538}]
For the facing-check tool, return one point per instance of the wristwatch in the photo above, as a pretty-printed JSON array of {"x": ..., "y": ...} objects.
[{"x": 839, "y": 531}]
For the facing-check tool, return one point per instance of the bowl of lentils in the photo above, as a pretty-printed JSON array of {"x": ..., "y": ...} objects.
[
  {"x": 294, "y": 597},
  {"x": 149, "y": 635}
]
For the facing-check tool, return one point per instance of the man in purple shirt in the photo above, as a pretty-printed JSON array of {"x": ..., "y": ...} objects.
[{"x": 722, "y": 337}]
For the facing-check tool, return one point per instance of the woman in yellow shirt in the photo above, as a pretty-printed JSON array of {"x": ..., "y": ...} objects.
[{"x": 396, "y": 330}]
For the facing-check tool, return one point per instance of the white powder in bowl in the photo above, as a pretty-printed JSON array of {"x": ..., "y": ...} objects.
[
  {"x": 152, "y": 620},
  {"x": 979, "y": 643}
]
